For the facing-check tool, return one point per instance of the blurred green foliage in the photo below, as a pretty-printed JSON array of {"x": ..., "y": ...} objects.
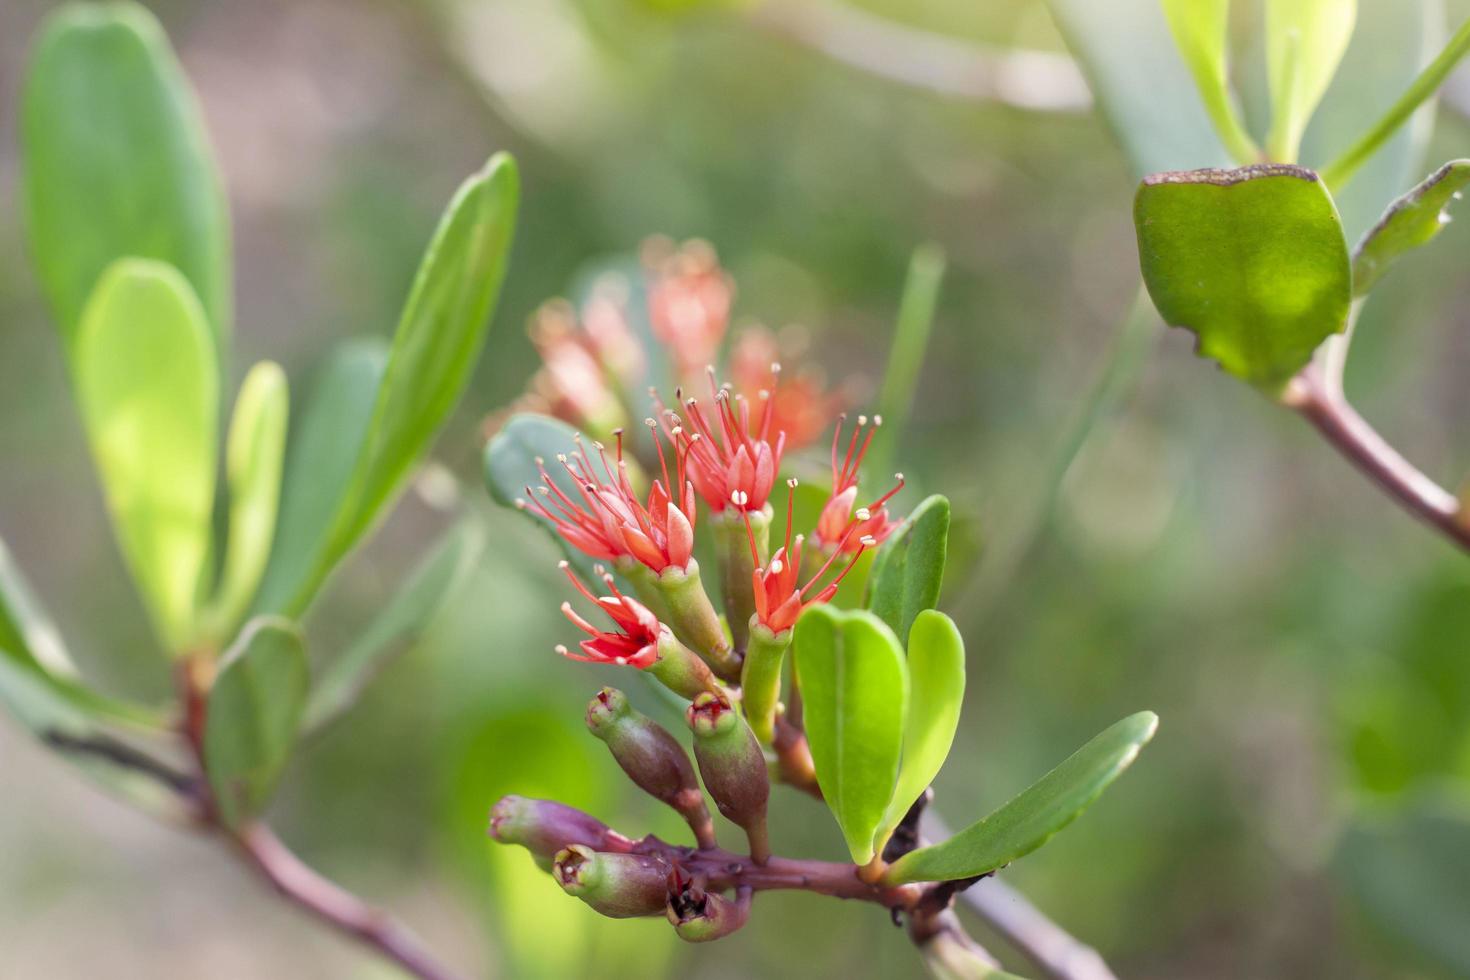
[{"x": 1207, "y": 557}]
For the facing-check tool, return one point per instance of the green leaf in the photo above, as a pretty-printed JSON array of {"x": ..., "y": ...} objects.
[
  {"x": 434, "y": 352},
  {"x": 116, "y": 162},
  {"x": 1201, "y": 28},
  {"x": 26, "y": 631},
  {"x": 1305, "y": 42},
  {"x": 1392, "y": 41},
  {"x": 854, "y": 689},
  {"x": 400, "y": 623},
  {"x": 909, "y": 570},
  {"x": 936, "y": 660},
  {"x": 906, "y": 353},
  {"x": 1030, "y": 820},
  {"x": 1410, "y": 875},
  {"x": 255, "y": 709},
  {"x": 1409, "y": 222},
  {"x": 148, "y": 387},
  {"x": 1143, "y": 87},
  {"x": 325, "y": 440},
  {"x": 60, "y": 714},
  {"x": 1252, "y": 260},
  {"x": 510, "y": 468},
  {"x": 253, "y": 458}
]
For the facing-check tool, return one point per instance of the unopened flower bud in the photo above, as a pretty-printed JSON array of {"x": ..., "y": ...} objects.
[
  {"x": 679, "y": 668},
  {"x": 694, "y": 620},
  {"x": 620, "y": 886},
  {"x": 733, "y": 767},
  {"x": 652, "y": 759},
  {"x": 545, "y": 827},
  {"x": 699, "y": 916}
]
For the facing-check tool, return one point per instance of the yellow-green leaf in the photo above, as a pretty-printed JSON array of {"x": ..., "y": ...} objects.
[
  {"x": 147, "y": 384},
  {"x": 1409, "y": 222},
  {"x": 1305, "y": 42},
  {"x": 253, "y": 463},
  {"x": 1201, "y": 29},
  {"x": 936, "y": 661}
]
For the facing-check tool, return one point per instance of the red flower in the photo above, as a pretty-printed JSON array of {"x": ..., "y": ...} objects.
[
  {"x": 606, "y": 520},
  {"x": 733, "y": 462},
  {"x": 689, "y": 298},
  {"x": 839, "y": 526},
  {"x": 778, "y": 600},
  {"x": 633, "y": 642}
]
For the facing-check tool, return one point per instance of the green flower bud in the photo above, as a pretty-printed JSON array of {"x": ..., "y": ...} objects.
[
  {"x": 620, "y": 886},
  {"x": 679, "y": 669},
  {"x": 652, "y": 759},
  {"x": 737, "y": 564},
  {"x": 694, "y": 620},
  {"x": 733, "y": 767}
]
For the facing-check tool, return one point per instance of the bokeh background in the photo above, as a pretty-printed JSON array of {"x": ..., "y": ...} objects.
[{"x": 1306, "y": 645}]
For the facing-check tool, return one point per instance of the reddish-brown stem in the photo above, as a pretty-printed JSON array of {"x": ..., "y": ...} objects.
[
  {"x": 332, "y": 904},
  {"x": 726, "y": 869},
  {"x": 288, "y": 874},
  {"x": 1351, "y": 435}
]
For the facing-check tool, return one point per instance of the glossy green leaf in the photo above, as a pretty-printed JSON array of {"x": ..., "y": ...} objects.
[
  {"x": 148, "y": 387},
  {"x": 64, "y": 717},
  {"x": 434, "y": 352},
  {"x": 854, "y": 689},
  {"x": 325, "y": 440},
  {"x": 936, "y": 661},
  {"x": 1409, "y": 874},
  {"x": 428, "y": 587},
  {"x": 116, "y": 162},
  {"x": 1409, "y": 222},
  {"x": 1201, "y": 28},
  {"x": 1305, "y": 42},
  {"x": 1253, "y": 261},
  {"x": 909, "y": 569},
  {"x": 1142, "y": 85},
  {"x": 1028, "y": 821},
  {"x": 255, "y": 709},
  {"x": 253, "y": 461}
]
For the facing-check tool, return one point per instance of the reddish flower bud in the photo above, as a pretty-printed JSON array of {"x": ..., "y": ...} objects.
[
  {"x": 652, "y": 759},
  {"x": 840, "y": 527},
  {"x": 699, "y": 916},
  {"x": 733, "y": 767},
  {"x": 544, "y": 827},
  {"x": 620, "y": 886}
]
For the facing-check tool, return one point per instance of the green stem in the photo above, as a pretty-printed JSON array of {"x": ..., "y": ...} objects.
[
  {"x": 1342, "y": 169},
  {"x": 760, "y": 679}
]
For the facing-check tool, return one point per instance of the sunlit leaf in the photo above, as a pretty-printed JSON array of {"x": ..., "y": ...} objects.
[
  {"x": 255, "y": 709},
  {"x": 1201, "y": 29},
  {"x": 1143, "y": 87},
  {"x": 253, "y": 463},
  {"x": 909, "y": 569},
  {"x": 1409, "y": 222},
  {"x": 1253, "y": 261},
  {"x": 116, "y": 162},
  {"x": 854, "y": 689},
  {"x": 1305, "y": 42},
  {"x": 936, "y": 661},
  {"x": 26, "y": 631},
  {"x": 1030, "y": 820},
  {"x": 438, "y": 341},
  {"x": 398, "y": 624},
  {"x": 148, "y": 388},
  {"x": 326, "y": 438}
]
